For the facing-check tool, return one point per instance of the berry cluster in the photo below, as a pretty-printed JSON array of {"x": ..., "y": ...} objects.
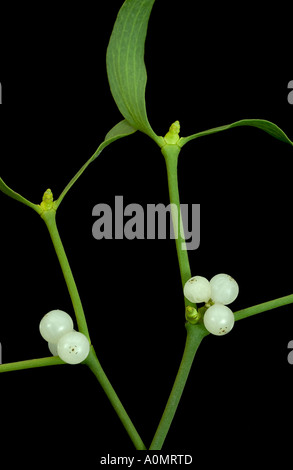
[
  {"x": 217, "y": 293},
  {"x": 71, "y": 346}
]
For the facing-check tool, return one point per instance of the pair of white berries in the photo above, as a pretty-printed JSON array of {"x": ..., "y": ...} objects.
[
  {"x": 220, "y": 291},
  {"x": 71, "y": 346}
]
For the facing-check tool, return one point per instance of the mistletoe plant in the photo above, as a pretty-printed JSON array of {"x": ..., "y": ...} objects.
[{"x": 127, "y": 78}]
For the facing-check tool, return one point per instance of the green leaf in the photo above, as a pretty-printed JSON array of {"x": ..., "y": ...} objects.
[
  {"x": 266, "y": 126},
  {"x": 122, "y": 129},
  {"x": 9, "y": 192},
  {"x": 125, "y": 63}
]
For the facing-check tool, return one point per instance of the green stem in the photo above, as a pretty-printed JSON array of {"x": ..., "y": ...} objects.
[
  {"x": 49, "y": 217},
  {"x": 93, "y": 363},
  {"x": 270, "y": 305},
  {"x": 195, "y": 334},
  {"x": 171, "y": 153},
  {"x": 31, "y": 364}
]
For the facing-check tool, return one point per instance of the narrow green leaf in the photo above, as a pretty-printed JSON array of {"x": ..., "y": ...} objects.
[
  {"x": 9, "y": 192},
  {"x": 266, "y": 126},
  {"x": 125, "y": 63},
  {"x": 122, "y": 129}
]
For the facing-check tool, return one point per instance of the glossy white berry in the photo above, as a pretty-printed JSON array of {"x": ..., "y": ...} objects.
[
  {"x": 224, "y": 289},
  {"x": 218, "y": 319},
  {"x": 73, "y": 347},
  {"x": 197, "y": 289},
  {"x": 53, "y": 349},
  {"x": 54, "y": 325}
]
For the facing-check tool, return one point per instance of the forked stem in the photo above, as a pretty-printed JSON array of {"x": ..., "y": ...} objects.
[{"x": 195, "y": 333}]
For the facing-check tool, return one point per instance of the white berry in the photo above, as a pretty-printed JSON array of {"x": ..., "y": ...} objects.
[
  {"x": 53, "y": 349},
  {"x": 224, "y": 289},
  {"x": 54, "y": 325},
  {"x": 218, "y": 319},
  {"x": 73, "y": 347},
  {"x": 197, "y": 289}
]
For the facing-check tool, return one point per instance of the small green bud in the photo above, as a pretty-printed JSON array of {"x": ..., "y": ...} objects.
[
  {"x": 47, "y": 202},
  {"x": 192, "y": 315},
  {"x": 172, "y": 136}
]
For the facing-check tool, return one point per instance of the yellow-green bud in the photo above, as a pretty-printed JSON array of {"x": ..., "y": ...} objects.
[
  {"x": 192, "y": 315},
  {"x": 47, "y": 202},
  {"x": 172, "y": 136}
]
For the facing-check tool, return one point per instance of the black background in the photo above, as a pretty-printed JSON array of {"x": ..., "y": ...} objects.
[{"x": 207, "y": 67}]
